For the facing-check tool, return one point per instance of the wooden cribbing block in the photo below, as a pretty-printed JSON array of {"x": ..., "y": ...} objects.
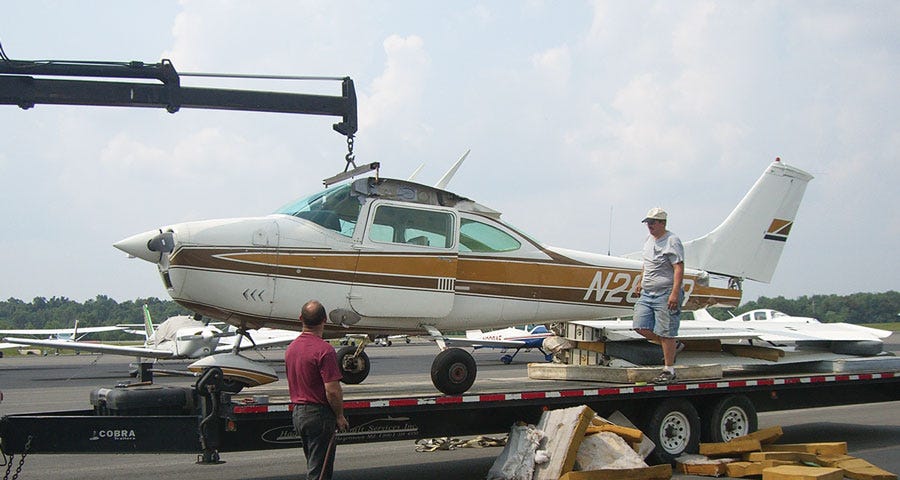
[
  {"x": 821, "y": 448},
  {"x": 743, "y": 469},
  {"x": 712, "y": 345},
  {"x": 564, "y": 429},
  {"x": 799, "y": 472},
  {"x": 656, "y": 472},
  {"x": 753, "y": 351},
  {"x": 734, "y": 447},
  {"x": 631, "y": 435},
  {"x": 706, "y": 469},
  {"x": 598, "y": 347},
  {"x": 765, "y": 436},
  {"x": 796, "y": 457},
  {"x": 857, "y": 468}
]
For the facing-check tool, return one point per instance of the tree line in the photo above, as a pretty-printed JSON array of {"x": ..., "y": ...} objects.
[{"x": 61, "y": 312}]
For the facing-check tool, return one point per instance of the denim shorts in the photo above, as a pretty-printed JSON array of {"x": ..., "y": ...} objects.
[{"x": 651, "y": 312}]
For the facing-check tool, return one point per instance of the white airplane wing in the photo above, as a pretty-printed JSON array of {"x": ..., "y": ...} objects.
[
  {"x": 263, "y": 337},
  {"x": 480, "y": 342},
  {"x": 58, "y": 331},
  {"x": 91, "y": 347},
  {"x": 620, "y": 330},
  {"x": 4, "y": 346}
]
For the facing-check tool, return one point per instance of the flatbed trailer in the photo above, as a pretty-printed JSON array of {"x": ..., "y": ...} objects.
[{"x": 205, "y": 421}]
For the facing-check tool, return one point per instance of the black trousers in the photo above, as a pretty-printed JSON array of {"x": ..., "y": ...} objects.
[{"x": 316, "y": 425}]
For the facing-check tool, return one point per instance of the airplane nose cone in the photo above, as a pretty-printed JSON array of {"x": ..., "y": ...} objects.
[{"x": 147, "y": 246}]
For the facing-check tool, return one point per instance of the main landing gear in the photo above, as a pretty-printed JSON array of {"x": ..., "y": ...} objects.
[{"x": 452, "y": 372}]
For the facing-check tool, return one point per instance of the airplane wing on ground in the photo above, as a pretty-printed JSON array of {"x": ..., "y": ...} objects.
[{"x": 92, "y": 347}]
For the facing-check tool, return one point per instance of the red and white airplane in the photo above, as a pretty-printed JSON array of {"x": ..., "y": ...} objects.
[{"x": 389, "y": 256}]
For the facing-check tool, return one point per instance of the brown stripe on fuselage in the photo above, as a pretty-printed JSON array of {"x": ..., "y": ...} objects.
[{"x": 481, "y": 276}]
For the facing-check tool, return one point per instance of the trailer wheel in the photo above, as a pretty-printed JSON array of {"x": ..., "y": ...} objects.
[
  {"x": 453, "y": 371},
  {"x": 354, "y": 368},
  {"x": 674, "y": 426},
  {"x": 730, "y": 417}
]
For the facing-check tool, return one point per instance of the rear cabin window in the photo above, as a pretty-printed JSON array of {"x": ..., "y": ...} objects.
[
  {"x": 475, "y": 236},
  {"x": 412, "y": 226}
]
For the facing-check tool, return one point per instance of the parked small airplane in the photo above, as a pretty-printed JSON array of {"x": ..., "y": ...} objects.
[
  {"x": 184, "y": 337},
  {"x": 507, "y": 338},
  {"x": 389, "y": 256},
  {"x": 73, "y": 334}
]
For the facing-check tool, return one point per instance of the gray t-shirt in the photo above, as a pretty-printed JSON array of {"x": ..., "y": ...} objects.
[{"x": 659, "y": 257}]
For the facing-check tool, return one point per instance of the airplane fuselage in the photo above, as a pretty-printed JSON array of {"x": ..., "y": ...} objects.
[{"x": 389, "y": 256}]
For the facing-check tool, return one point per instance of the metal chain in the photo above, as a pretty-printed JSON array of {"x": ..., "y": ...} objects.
[
  {"x": 351, "y": 160},
  {"x": 21, "y": 461}
]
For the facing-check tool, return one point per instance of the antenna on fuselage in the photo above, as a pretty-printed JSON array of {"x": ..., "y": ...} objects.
[{"x": 442, "y": 183}]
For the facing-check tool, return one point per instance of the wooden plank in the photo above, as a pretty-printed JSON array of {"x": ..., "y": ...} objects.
[
  {"x": 564, "y": 429},
  {"x": 734, "y": 447},
  {"x": 656, "y": 472},
  {"x": 753, "y": 469},
  {"x": 594, "y": 373},
  {"x": 598, "y": 347},
  {"x": 797, "y": 457},
  {"x": 711, "y": 345},
  {"x": 800, "y": 472},
  {"x": 821, "y": 448},
  {"x": 754, "y": 351},
  {"x": 765, "y": 436},
  {"x": 706, "y": 469},
  {"x": 857, "y": 468},
  {"x": 631, "y": 435}
]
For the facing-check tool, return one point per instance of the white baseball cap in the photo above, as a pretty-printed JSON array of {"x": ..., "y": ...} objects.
[{"x": 655, "y": 213}]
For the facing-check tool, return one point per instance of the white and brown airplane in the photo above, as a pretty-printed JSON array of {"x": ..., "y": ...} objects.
[{"x": 390, "y": 256}]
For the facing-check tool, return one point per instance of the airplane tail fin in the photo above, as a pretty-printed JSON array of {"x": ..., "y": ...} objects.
[
  {"x": 148, "y": 323},
  {"x": 75, "y": 331},
  {"x": 748, "y": 244}
]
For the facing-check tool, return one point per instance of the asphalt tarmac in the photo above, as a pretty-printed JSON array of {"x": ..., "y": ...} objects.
[{"x": 56, "y": 383}]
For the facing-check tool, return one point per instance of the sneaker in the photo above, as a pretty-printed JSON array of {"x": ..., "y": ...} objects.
[
  {"x": 679, "y": 346},
  {"x": 664, "y": 378}
]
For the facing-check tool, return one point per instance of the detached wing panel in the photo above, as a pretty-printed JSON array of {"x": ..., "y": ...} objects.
[{"x": 479, "y": 342}]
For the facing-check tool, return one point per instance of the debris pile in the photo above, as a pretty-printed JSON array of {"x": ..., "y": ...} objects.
[
  {"x": 757, "y": 454},
  {"x": 576, "y": 444}
]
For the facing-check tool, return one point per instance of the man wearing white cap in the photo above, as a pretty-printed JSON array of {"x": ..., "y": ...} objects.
[{"x": 657, "y": 313}]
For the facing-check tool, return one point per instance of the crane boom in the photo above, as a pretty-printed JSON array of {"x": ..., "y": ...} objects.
[{"x": 18, "y": 86}]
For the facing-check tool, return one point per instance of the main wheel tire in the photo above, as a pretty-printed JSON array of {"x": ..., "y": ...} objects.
[
  {"x": 674, "y": 426},
  {"x": 453, "y": 371},
  {"x": 355, "y": 370},
  {"x": 730, "y": 417}
]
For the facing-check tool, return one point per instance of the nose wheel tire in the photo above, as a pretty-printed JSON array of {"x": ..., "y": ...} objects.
[
  {"x": 355, "y": 368},
  {"x": 453, "y": 371}
]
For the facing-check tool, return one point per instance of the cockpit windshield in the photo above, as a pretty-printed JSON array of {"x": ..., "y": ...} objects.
[{"x": 333, "y": 208}]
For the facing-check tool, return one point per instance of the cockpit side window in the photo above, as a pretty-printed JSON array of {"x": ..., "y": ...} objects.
[
  {"x": 334, "y": 208},
  {"x": 475, "y": 236},
  {"x": 412, "y": 226}
]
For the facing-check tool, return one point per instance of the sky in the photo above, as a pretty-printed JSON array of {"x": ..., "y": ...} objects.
[{"x": 580, "y": 115}]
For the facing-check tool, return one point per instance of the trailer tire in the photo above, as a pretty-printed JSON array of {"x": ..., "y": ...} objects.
[
  {"x": 730, "y": 417},
  {"x": 674, "y": 426},
  {"x": 354, "y": 370},
  {"x": 453, "y": 371}
]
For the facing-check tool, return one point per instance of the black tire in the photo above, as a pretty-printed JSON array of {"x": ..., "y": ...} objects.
[
  {"x": 453, "y": 371},
  {"x": 355, "y": 370},
  {"x": 730, "y": 417},
  {"x": 674, "y": 426}
]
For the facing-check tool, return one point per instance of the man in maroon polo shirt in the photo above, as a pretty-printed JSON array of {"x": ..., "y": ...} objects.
[{"x": 314, "y": 382}]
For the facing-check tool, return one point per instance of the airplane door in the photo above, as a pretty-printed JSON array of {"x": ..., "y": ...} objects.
[
  {"x": 407, "y": 261},
  {"x": 262, "y": 294}
]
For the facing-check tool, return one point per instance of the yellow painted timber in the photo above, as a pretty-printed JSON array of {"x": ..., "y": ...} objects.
[
  {"x": 656, "y": 472},
  {"x": 799, "y": 472}
]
